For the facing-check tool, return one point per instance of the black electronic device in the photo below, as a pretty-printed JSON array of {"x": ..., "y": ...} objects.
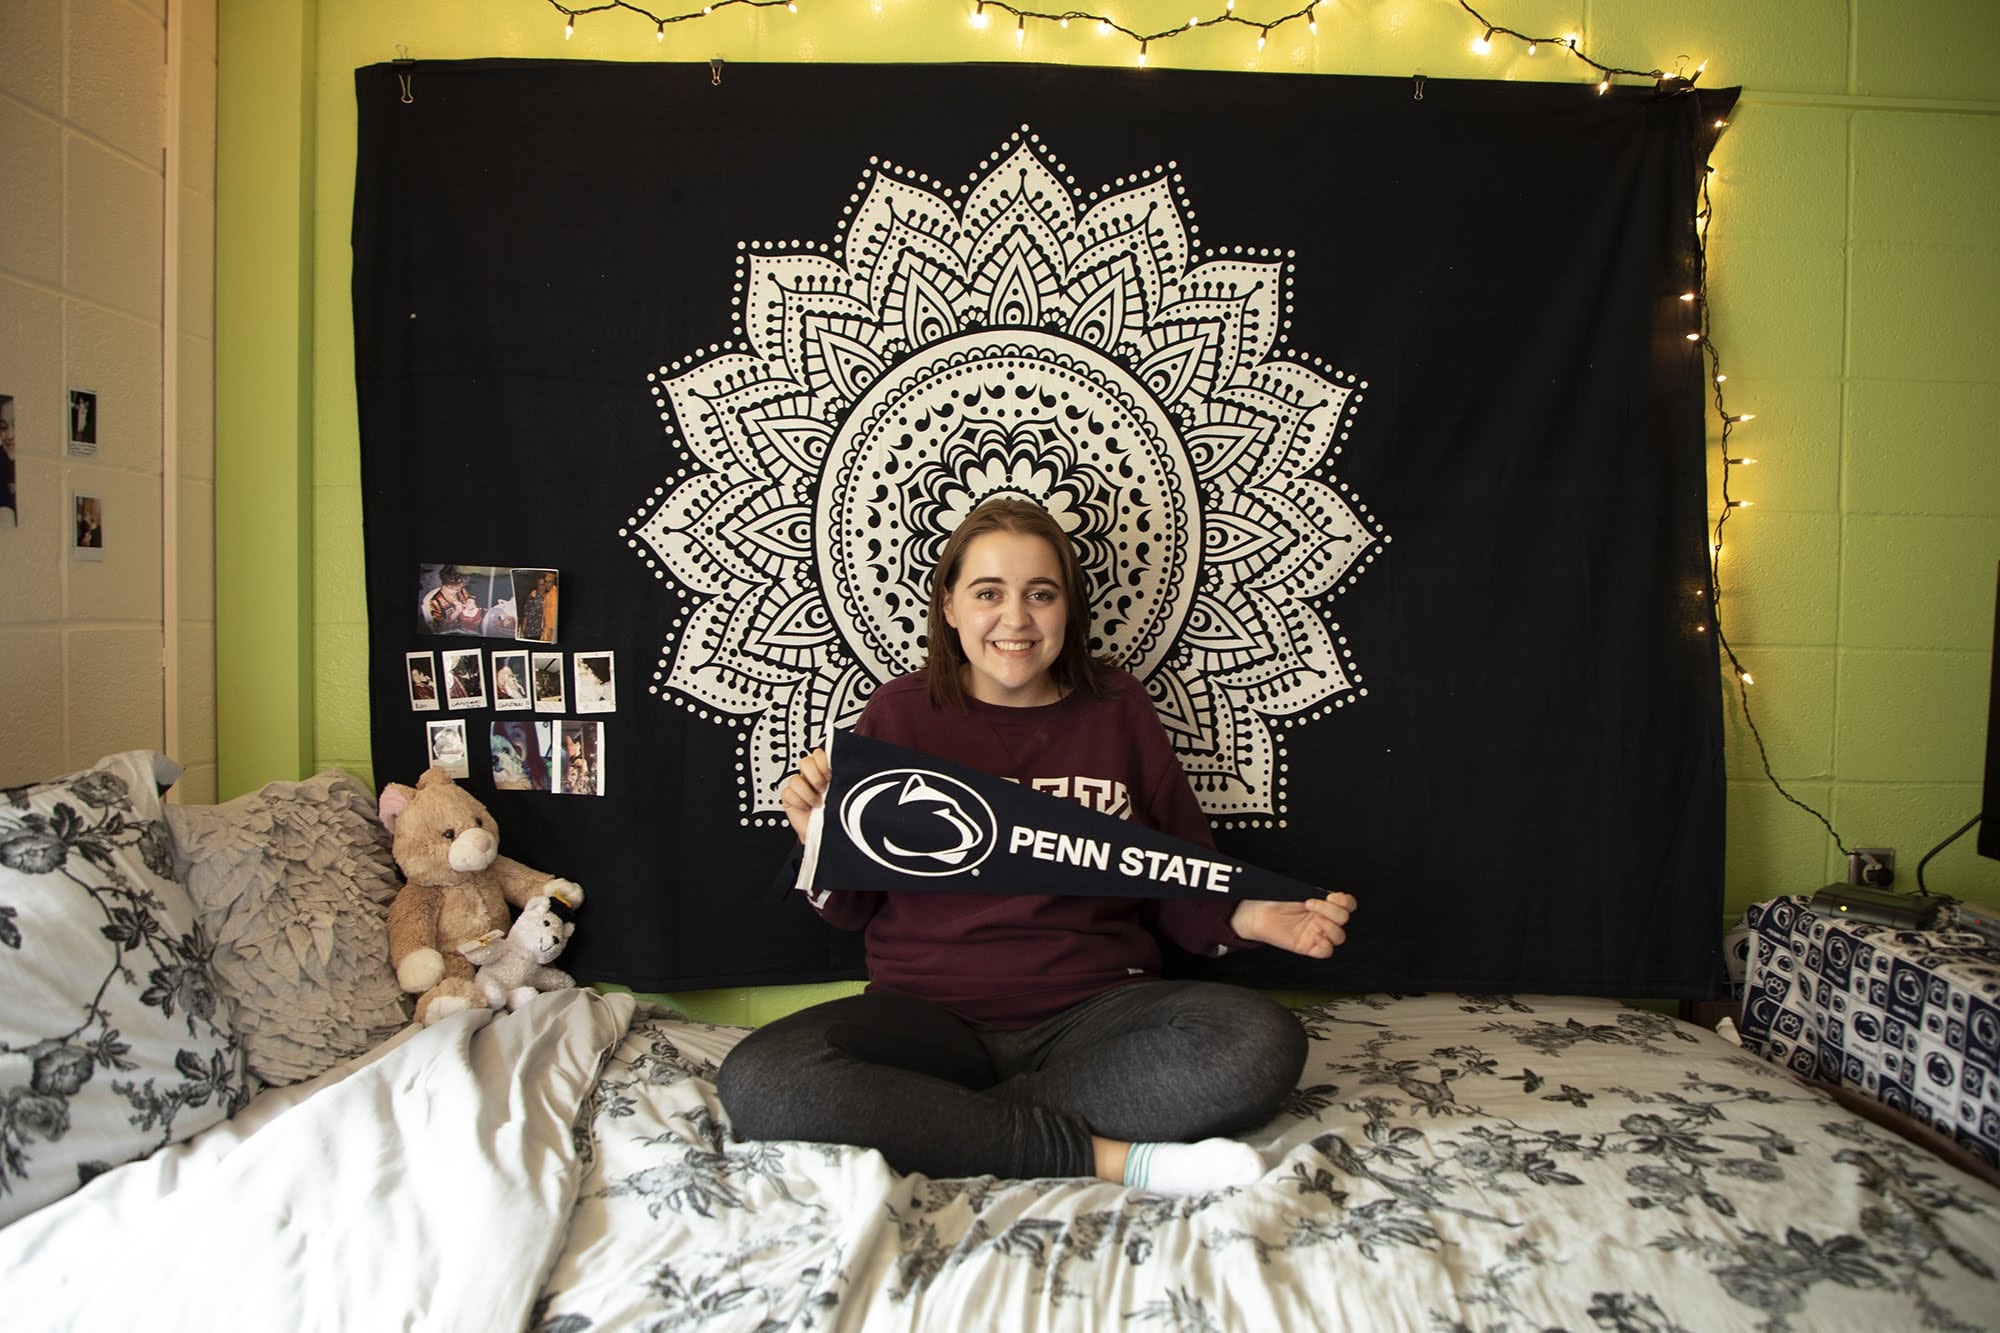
[
  {"x": 1881, "y": 907},
  {"x": 1989, "y": 801}
]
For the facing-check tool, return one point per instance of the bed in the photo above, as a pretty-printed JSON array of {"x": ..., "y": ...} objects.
[{"x": 1448, "y": 1161}]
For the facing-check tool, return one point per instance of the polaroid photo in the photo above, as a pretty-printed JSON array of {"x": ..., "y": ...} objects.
[
  {"x": 82, "y": 423},
  {"x": 447, "y": 747},
  {"x": 548, "y": 671},
  {"x": 535, "y": 603},
  {"x": 89, "y": 514},
  {"x": 10, "y": 505},
  {"x": 595, "y": 690},
  {"x": 582, "y": 759},
  {"x": 421, "y": 671},
  {"x": 510, "y": 682},
  {"x": 520, "y": 753},
  {"x": 464, "y": 678}
]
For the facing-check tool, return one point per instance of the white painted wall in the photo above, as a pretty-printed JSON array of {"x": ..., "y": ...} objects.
[{"x": 107, "y": 206}]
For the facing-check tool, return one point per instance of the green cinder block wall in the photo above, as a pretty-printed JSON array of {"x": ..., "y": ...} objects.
[{"x": 1855, "y": 279}]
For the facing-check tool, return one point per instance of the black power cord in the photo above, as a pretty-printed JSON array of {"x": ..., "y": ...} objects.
[{"x": 1962, "y": 830}]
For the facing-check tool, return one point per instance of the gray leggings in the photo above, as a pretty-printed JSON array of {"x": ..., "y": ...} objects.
[{"x": 1158, "y": 1061}]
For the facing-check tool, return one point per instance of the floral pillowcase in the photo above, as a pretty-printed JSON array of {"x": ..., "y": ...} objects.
[{"x": 114, "y": 1038}]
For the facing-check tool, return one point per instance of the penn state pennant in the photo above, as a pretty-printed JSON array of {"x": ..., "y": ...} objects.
[{"x": 898, "y": 820}]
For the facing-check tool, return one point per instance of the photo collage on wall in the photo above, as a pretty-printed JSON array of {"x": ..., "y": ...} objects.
[{"x": 546, "y": 752}]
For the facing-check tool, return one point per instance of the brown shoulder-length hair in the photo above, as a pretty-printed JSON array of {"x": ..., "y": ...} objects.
[{"x": 1074, "y": 667}]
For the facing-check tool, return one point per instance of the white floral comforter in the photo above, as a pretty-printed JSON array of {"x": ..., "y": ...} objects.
[{"x": 1449, "y": 1162}]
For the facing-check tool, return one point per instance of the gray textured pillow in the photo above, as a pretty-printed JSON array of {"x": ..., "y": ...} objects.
[
  {"x": 293, "y": 883},
  {"x": 115, "y": 1039}
]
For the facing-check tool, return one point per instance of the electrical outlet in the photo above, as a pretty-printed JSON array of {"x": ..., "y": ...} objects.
[{"x": 1873, "y": 866}]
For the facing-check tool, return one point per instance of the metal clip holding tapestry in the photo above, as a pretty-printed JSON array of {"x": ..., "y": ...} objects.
[
  {"x": 403, "y": 76},
  {"x": 1417, "y": 88},
  {"x": 715, "y": 72}
]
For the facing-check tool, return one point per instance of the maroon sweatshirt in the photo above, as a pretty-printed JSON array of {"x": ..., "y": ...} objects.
[{"x": 1011, "y": 960}]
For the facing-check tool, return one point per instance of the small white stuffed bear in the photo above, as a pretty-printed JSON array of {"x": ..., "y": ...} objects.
[{"x": 514, "y": 968}]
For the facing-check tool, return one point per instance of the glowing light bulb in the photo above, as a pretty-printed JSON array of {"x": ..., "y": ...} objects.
[
  {"x": 1746, "y": 678},
  {"x": 1532, "y": 47},
  {"x": 1741, "y": 504},
  {"x": 1482, "y": 45},
  {"x": 661, "y": 35},
  {"x": 1104, "y": 27},
  {"x": 1721, "y": 378},
  {"x": 1194, "y": 21},
  {"x": 1604, "y": 85},
  {"x": 569, "y": 27},
  {"x": 1687, "y": 296},
  {"x": 979, "y": 17},
  {"x": 1739, "y": 462},
  {"x": 1694, "y": 337},
  {"x": 1742, "y": 416},
  {"x": 1142, "y": 55},
  {"x": 1262, "y": 33},
  {"x": 1020, "y": 31}
]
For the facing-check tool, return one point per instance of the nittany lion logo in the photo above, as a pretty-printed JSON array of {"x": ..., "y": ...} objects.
[{"x": 917, "y": 822}]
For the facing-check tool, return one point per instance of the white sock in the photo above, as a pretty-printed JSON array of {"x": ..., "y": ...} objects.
[{"x": 1192, "y": 1168}]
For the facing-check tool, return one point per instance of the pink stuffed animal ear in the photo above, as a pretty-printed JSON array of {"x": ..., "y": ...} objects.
[{"x": 394, "y": 801}]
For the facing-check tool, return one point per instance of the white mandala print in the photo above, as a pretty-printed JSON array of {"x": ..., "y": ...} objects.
[{"x": 1010, "y": 337}]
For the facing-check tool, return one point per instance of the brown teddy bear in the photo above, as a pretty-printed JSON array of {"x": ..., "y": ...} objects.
[{"x": 457, "y": 887}]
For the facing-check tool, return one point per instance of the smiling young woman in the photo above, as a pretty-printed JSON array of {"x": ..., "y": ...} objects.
[{"x": 1012, "y": 1032}]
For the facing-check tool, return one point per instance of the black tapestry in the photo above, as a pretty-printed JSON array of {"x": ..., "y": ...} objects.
[{"x": 1373, "y": 414}]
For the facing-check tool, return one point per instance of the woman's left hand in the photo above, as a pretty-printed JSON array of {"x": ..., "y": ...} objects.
[{"x": 1313, "y": 927}]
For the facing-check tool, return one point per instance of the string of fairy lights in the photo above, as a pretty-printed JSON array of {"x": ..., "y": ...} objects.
[
  {"x": 571, "y": 13},
  {"x": 1679, "y": 81}
]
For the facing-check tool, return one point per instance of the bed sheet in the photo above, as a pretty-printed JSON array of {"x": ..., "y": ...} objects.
[
  {"x": 1448, "y": 1161},
  {"x": 424, "y": 1185}
]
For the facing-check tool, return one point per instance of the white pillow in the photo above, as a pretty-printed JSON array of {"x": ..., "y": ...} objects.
[
  {"x": 293, "y": 883},
  {"x": 114, "y": 1038}
]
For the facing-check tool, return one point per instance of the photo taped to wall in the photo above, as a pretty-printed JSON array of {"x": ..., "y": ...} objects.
[
  {"x": 535, "y": 596},
  {"x": 82, "y": 423},
  {"x": 446, "y": 742},
  {"x": 520, "y": 754},
  {"x": 510, "y": 682},
  {"x": 582, "y": 759},
  {"x": 88, "y": 511},
  {"x": 421, "y": 670},
  {"x": 453, "y": 599},
  {"x": 465, "y": 678},
  {"x": 10, "y": 508},
  {"x": 549, "y": 695},
  {"x": 595, "y": 691}
]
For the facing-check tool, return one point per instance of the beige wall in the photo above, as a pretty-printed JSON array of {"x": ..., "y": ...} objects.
[{"x": 107, "y": 151}]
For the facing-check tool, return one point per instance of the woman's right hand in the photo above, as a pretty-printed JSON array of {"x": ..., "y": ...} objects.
[{"x": 804, "y": 790}]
